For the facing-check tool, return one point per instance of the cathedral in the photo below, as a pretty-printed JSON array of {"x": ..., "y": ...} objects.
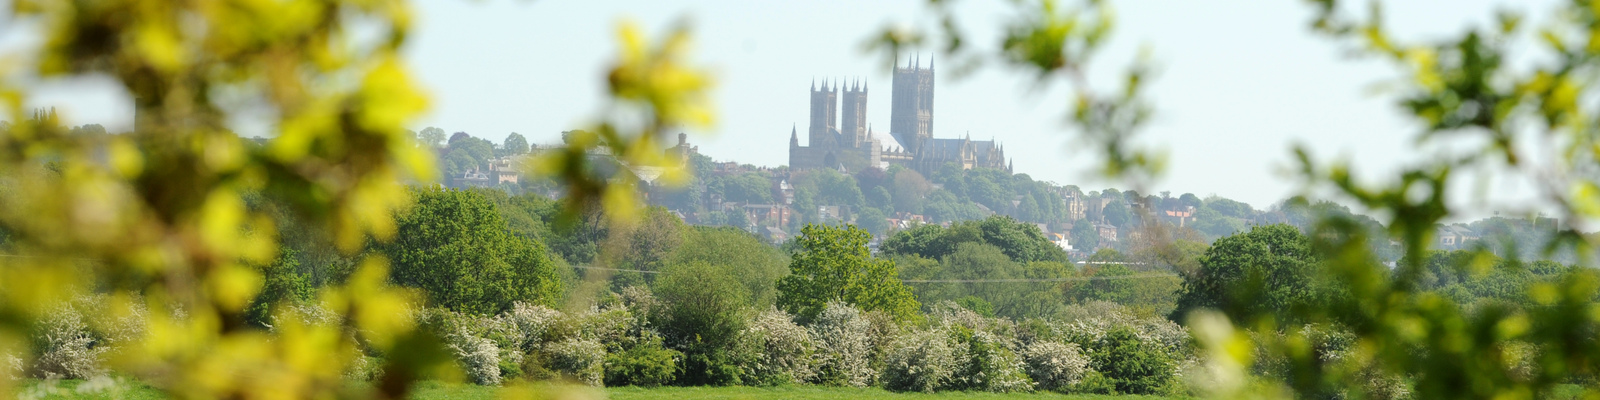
[{"x": 845, "y": 141}]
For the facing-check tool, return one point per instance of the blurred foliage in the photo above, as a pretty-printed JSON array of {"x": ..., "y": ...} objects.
[
  {"x": 158, "y": 216},
  {"x": 653, "y": 89},
  {"x": 1526, "y": 118}
]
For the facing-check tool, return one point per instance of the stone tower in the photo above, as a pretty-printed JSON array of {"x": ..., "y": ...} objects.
[
  {"x": 824, "y": 114},
  {"x": 853, "y": 128},
  {"x": 911, "y": 110}
]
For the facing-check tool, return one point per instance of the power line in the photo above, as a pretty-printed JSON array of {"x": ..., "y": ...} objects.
[
  {"x": 1031, "y": 280},
  {"x": 617, "y": 269},
  {"x": 1068, "y": 279}
]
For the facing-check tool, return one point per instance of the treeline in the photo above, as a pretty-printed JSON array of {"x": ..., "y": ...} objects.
[
  {"x": 871, "y": 197},
  {"x": 515, "y": 292}
]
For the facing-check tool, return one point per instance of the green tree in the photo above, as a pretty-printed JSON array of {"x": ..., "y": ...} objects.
[
  {"x": 873, "y": 221},
  {"x": 515, "y": 144},
  {"x": 1117, "y": 213},
  {"x": 1270, "y": 270},
  {"x": 282, "y": 284},
  {"x": 833, "y": 264},
  {"x": 454, "y": 246},
  {"x": 1022, "y": 242},
  {"x": 703, "y": 312},
  {"x": 754, "y": 263},
  {"x": 910, "y": 191},
  {"x": 432, "y": 137},
  {"x": 1085, "y": 236}
]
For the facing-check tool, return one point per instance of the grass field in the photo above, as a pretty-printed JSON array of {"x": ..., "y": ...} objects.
[{"x": 449, "y": 391}]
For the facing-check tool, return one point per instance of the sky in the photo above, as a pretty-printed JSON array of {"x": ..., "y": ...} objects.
[{"x": 1238, "y": 81}]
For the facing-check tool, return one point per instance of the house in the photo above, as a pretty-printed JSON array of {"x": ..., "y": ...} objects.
[
  {"x": 504, "y": 170},
  {"x": 1061, "y": 241},
  {"x": 1181, "y": 215},
  {"x": 1452, "y": 236},
  {"x": 767, "y": 214},
  {"x": 776, "y": 235},
  {"x": 832, "y": 213},
  {"x": 1108, "y": 232}
]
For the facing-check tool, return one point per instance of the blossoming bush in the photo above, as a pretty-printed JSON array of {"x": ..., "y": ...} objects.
[
  {"x": 75, "y": 339},
  {"x": 843, "y": 348},
  {"x": 777, "y": 350},
  {"x": 479, "y": 357},
  {"x": 1054, "y": 365},
  {"x": 990, "y": 364},
  {"x": 882, "y": 329},
  {"x": 66, "y": 346},
  {"x": 533, "y": 321},
  {"x": 580, "y": 360},
  {"x": 922, "y": 360}
]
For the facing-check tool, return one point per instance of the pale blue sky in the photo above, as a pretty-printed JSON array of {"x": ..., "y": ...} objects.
[{"x": 1240, "y": 80}]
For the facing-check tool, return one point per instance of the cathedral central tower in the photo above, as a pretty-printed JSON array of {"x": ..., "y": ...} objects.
[{"x": 911, "y": 110}]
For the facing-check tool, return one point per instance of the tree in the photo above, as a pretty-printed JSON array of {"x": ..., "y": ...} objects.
[
  {"x": 754, "y": 263},
  {"x": 833, "y": 264},
  {"x": 1190, "y": 200},
  {"x": 1269, "y": 270},
  {"x": 454, "y": 246},
  {"x": 703, "y": 314},
  {"x": 283, "y": 284},
  {"x": 515, "y": 144},
  {"x": 431, "y": 137},
  {"x": 1022, "y": 242},
  {"x": 1085, "y": 236},
  {"x": 874, "y": 221},
  {"x": 1117, "y": 213},
  {"x": 480, "y": 151},
  {"x": 910, "y": 191}
]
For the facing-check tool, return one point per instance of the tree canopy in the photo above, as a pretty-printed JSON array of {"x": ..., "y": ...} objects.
[
  {"x": 833, "y": 264},
  {"x": 454, "y": 246}
]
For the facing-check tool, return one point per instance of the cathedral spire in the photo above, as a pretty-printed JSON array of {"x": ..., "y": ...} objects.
[
  {"x": 930, "y": 62},
  {"x": 794, "y": 136}
]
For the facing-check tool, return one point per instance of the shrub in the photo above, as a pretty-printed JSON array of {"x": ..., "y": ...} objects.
[
  {"x": 1133, "y": 365},
  {"x": 922, "y": 361},
  {"x": 11, "y": 367},
  {"x": 950, "y": 314},
  {"x": 479, "y": 357},
  {"x": 842, "y": 346},
  {"x": 882, "y": 329},
  {"x": 614, "y": 328},
  {"x": 65, "y": 346},
  {"x": 991, "y": 366},
  {"x": 646, "y": 364},
  {"x": 532, "y": 321},
  {"x": 581, "y": 360},
  {"x": 1055, "y": 366},
  {"x": 1094, "y": 383},
  {"x": 777, "y": 350},
  {"x": 702, "y": 315}
]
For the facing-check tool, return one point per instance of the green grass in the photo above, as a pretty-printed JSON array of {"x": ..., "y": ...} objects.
[
  {"x": 433, "y": 390},
  {"x": 817, "y": 392}
]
